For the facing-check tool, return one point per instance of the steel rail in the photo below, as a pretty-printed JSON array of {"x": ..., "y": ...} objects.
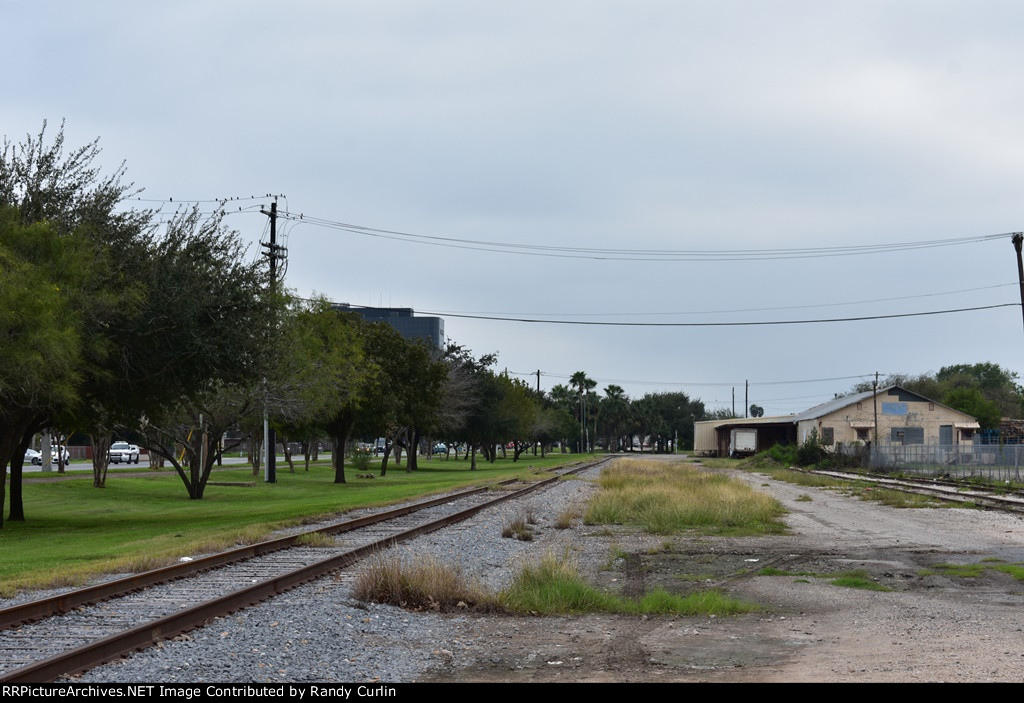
[
  {"x": 975, "y": 494},
  {"x": 55, "y": 605},
  {"x": 95, "y": 653}
]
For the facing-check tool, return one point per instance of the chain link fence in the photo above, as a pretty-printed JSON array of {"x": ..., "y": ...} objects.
[{"x": 993, "y": 462}]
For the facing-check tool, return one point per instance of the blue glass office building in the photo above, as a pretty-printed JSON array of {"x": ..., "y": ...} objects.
[{"x": 426, "y": 329}]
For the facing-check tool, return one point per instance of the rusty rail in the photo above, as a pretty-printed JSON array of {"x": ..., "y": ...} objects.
[{"x": 103, "y": 650}]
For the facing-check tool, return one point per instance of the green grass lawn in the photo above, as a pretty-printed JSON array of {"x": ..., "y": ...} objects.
[{"x": 73, "y": 531}]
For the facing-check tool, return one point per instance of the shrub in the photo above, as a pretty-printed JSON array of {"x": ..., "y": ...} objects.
[
  {"x": 420, "y": 584},
  {"x": 361, "y": 461},
  {"x": 811, "y": 451},
  {"x": 784, "y": 454}
]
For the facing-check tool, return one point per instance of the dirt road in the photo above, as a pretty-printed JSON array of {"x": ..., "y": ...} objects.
[{"x": 935, "y": 624}]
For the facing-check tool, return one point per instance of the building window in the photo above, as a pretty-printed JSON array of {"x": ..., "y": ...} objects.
[
  {"x": 967, "y": 435},
  {"x": 828, "y": 437},
  {"x": 862, "y": 434},
  {"x": 907, "y": 435}
]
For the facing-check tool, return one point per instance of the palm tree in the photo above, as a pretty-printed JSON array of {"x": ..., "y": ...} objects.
[
  {"x": 614, "y": 411},
  {"x": 583, "y": 384}
]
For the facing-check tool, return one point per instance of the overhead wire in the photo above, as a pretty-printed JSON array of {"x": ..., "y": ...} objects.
[
  {"x": 230, "y": 198},
  {"x": 733, "y": 310},
  {"x": 745, "y": 323},
  {"x": 641, "y": 254},
  {"x": 723, "y": 384}
]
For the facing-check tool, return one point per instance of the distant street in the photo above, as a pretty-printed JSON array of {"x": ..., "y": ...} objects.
[{"x": 84, "y": 465}]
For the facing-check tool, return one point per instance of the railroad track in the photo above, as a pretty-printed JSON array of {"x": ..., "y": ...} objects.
[
  {"x": 78, "y": 630},
  {"x": 950, "y": 491}
]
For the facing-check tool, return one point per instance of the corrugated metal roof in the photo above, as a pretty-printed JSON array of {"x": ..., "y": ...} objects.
[
  {"x": 831, "y": 406},
  {"x": 750, "y": 420}
]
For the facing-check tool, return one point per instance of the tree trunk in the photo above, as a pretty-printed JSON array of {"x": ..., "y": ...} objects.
[
  {"x": 8, "y": 448},
  {"x": 100, "y": 458},
  {"x": 472, "y": 465},
  {"x": 195, "y": 469},
  {"x": 60, "y": 441},
  {"x": 17, "y": 513},
  {"x": 255, "y": 455},
  {"x": 411, "y": 462},
  {"x": 384, "y": 461},
  {"x": 518, "y": 449},
  {"x": 208, "y": 460},
  {"x": 288, "y": 456},
  {"x": 338, "y": 458}
]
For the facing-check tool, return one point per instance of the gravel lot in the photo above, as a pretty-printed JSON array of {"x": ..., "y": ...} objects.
[{"x": 930, "y": 627}]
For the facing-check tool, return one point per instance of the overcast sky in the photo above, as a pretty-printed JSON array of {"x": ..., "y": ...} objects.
[{"x": 641, "y": 125}]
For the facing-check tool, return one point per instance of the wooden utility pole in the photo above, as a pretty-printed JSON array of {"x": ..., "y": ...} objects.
[
  {"x": 875, "y": 397},
  {"x": 269, "y": 433},
  {"x": 538, "y": 393},
  {"x": 1018, "y": 239}
]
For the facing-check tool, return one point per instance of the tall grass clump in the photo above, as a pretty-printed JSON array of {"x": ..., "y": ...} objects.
[
  {"x": 420, "y": 584},
  {"x": 555, "y": 586},
  {"x": 666, "y": 498}
]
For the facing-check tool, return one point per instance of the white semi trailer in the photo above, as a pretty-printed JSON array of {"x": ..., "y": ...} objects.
[{"x": 742, "y": 442}]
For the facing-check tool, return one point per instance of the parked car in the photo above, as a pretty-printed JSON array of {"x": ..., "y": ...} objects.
[
  {"x": 440, "y": 448},
  {"x": 124, "y": 452},
  {"x": 33, "y": 457},
  {"x": 63, "y": 452}
]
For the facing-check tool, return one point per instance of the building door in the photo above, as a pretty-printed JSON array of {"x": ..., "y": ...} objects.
[{"x": 946, "y": 435}]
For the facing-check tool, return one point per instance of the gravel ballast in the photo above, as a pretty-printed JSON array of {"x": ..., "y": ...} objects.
[
  {"x": 931, "y": 626},
  {"x": 319, "y": 632}
]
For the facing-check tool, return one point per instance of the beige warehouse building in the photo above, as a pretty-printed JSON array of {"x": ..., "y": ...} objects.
[{"x": 903, "y": 418}]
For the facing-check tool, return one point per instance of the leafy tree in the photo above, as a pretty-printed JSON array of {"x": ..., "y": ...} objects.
[
  {"x": 199, "y": 342},
  {"x": 332, "y": 369},
  {"x": 66, "y": 189},
  {"x": 756, "y": 410},
  {"x": 194, "y": 426},
  {"x": 565, "y": 401},
  {"x": 422, "y": 379},
  {"x": 40, "y": 341},
  {"x": 457, "y": 396},
  {"x": 667, "y": 418},
  {"x": 520, "y": 414},
  {"x": 997, "y": 385},
  {"x": 41, "y": 183},
  {"x": 973, "y": 402}
]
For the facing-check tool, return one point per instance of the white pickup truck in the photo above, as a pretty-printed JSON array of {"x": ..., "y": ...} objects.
[{"x": 124, "y": 452}]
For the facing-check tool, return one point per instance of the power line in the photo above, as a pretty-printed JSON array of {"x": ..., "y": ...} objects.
[
  {"x": 722, "y": 384},
  {"x": 228, "y": 199},
  {"x": 638, "y": 254},
  {"x": 748, "y": 323},
  {"x": 731, "y": 310}
]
